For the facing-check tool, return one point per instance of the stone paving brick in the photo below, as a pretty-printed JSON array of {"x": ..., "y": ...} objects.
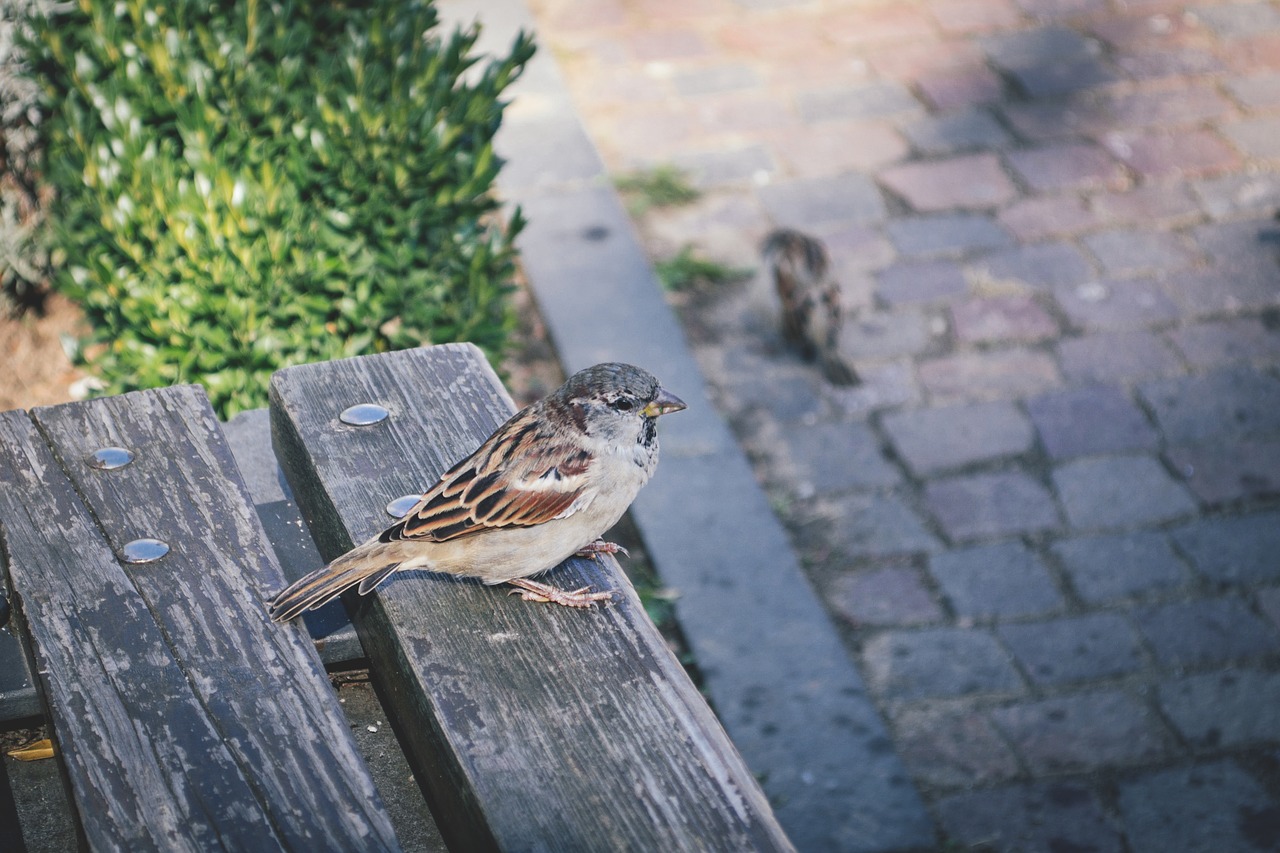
[
  {"x": 1074, "y": 648},
  {"x": 1144, "y": 205},
  {"x": 974, "y": 16},
  {"x": 1047, "y": 817},
  {"x": 1190, "y": 153},
  {"x": 727, "y": 77},
  {"x": 1198, "y": 808},
  {"x": 1026, "y": 47},
  {"x": 1002, "y": 504},
  {"x": 1111, "y": 492},
  {"x": 1179, "y": 62},
  {"x": 707, "y": 169},
  {"x": 884, "y": 385},
  {"x": 1048, "y": 61},
  {"x": 945, "y": 234},
  {"x": 1056, "y": 118},
  {"x": 1232, "y": 195},
  {"x": 1222, "y": 406},
  {"x": 956, "y": 131},
  {"x": 1255, "y": 53},
  {"x": 776, "y": 37},
  {"x": 1256, "y": 91},
  {"x": 910, "y": 60},
  {"x": 856, "y": 247},
  {"x": 1230, "y": 243},
  {"x": 886, "y": 334},
  {"x": 892, "y": 596},
  {"x": 1067, "y": 165},
  {"x": 1214, "y": 344},
  {"x": 1235, "y": 550},
  {"x": 1258, "y": 138},
  {"x": 937, "y": 662},
  {"x": 1089, "y": 420},
  {"x": 1269, "y": 604},
  {"x": 1221, "y": 473},
  {"x": 952, "y": 747},
  {"x": 926, "y": 281},
  {"x": 822, "y": 150},
  {"x": 1112, "y": 305},
  {"x": 1002, "y": 580},
  {"x": 1222, "y": 289},
  {"x": 878, "y": 100},
  {"x": 1082, "y": 731},
  {"x": 960, "y": 86},
  {"x": 937, "y": 439},
  {"x": 747, "y": 381},
  {"x": 971, "y": 181},
  {"x": 1131, "y": 251},
  {"x": 1117, "y": 356},
  {"x": 807, "y": 202},
  {"x": 1109, "y": 567},
  {"x": 666, "y": 43},
  {"x": 995, "y": 375},
  {"x": 1001, "y": 318},
  {"x": 1051, "y": 216},
  {"x": 830, "y": 457},
  {"x": 740, "y": 113},
  {"x": 1245, "y": 19},
  {"x": 1166, "y": 106},
  {"x": 867, "y": 25},
  {"x": 1046, "y": 79},
  {"x": 871, "y": 525},
  {"x": 1035, "y": 265},
  {"x": 1205, "y": 631}
]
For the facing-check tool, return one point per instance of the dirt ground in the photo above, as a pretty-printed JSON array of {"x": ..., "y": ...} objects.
[{"x": 35, "y": 369}]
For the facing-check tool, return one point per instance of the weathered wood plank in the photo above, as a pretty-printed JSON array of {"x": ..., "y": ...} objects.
[
  {"x": 529, "y": 727},
  {"x": 185, "y": 720}
]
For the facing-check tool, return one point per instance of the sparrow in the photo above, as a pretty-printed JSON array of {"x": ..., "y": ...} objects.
[
  {"x": 811, "y": 309},
  {"x": 546, "y": 485}
]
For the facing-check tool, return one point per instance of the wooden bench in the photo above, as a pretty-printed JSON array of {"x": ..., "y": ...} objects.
[{"x": 184, "y": 719}]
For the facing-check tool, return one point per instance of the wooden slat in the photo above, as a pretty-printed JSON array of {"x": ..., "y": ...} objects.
[
  {"x": 530, "y": 727},
  {"x": 185, "y": 720}
]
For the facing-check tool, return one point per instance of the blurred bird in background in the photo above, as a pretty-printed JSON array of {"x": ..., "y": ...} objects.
[{"x": 811, "y": 309}]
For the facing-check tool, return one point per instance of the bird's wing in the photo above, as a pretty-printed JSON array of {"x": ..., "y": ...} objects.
[{"x": 522, "y": 476}]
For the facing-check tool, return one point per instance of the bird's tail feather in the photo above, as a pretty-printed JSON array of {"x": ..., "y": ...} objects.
[
  {"x": 837, "y": 370},
  {"x": 325, "y": 584}
]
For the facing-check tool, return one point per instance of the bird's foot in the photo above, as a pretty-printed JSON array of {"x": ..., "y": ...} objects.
[
  {"x": 546, "y": 594},
  {"x": 601, "y": 547}
]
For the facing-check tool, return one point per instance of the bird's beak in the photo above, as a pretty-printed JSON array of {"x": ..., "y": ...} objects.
[{"x": 663, "y": 403}]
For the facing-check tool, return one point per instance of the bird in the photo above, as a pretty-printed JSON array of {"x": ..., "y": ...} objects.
[
  {"x": 544, "y": 486},
  {"x": 812, "y": 313}
]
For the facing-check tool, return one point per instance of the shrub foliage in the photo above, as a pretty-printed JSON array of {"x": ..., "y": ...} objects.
[{"x": 247, "y": 185}]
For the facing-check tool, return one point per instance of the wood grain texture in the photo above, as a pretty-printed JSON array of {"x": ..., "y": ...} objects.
[
  {"x": 185, "y": 720},
  {"x": 530, "y": 727}
]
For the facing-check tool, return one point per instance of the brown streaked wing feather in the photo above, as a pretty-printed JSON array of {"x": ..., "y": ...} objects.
[{"x": 522, "y": 477}]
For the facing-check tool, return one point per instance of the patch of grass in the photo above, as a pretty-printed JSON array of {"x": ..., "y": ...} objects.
[
  {"x": 686, "y": 270},
  {"x": 663, "y": 186}
]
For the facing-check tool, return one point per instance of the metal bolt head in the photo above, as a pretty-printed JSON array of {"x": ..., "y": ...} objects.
[
  {"x": 110, "y": 458},
  {"x": 399, "y": 507},
  {"x": 143, "y": 551},
  {"x": 363, "y": 414}
]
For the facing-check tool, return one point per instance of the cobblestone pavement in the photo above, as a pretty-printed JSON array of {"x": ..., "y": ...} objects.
[{"x": 1048, "y": 522}]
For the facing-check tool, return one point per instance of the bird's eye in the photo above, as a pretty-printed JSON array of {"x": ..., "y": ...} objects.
[{"x": 623, "y": 404}]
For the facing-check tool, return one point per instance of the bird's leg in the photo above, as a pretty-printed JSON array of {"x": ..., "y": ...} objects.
[
  {"x": 601, "y": 547},
  {"x": 546, "y": 594}
]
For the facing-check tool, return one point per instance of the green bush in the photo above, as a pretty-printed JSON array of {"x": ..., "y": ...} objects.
[{"x": 243, "y": 186}]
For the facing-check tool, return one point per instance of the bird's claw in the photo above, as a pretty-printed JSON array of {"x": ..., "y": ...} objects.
[{"x": 545, "y": 594}]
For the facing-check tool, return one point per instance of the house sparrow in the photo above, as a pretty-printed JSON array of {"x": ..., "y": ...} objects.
[
  {"x": 543, "y": 487},
  {"x": 811, "y": 309}
]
